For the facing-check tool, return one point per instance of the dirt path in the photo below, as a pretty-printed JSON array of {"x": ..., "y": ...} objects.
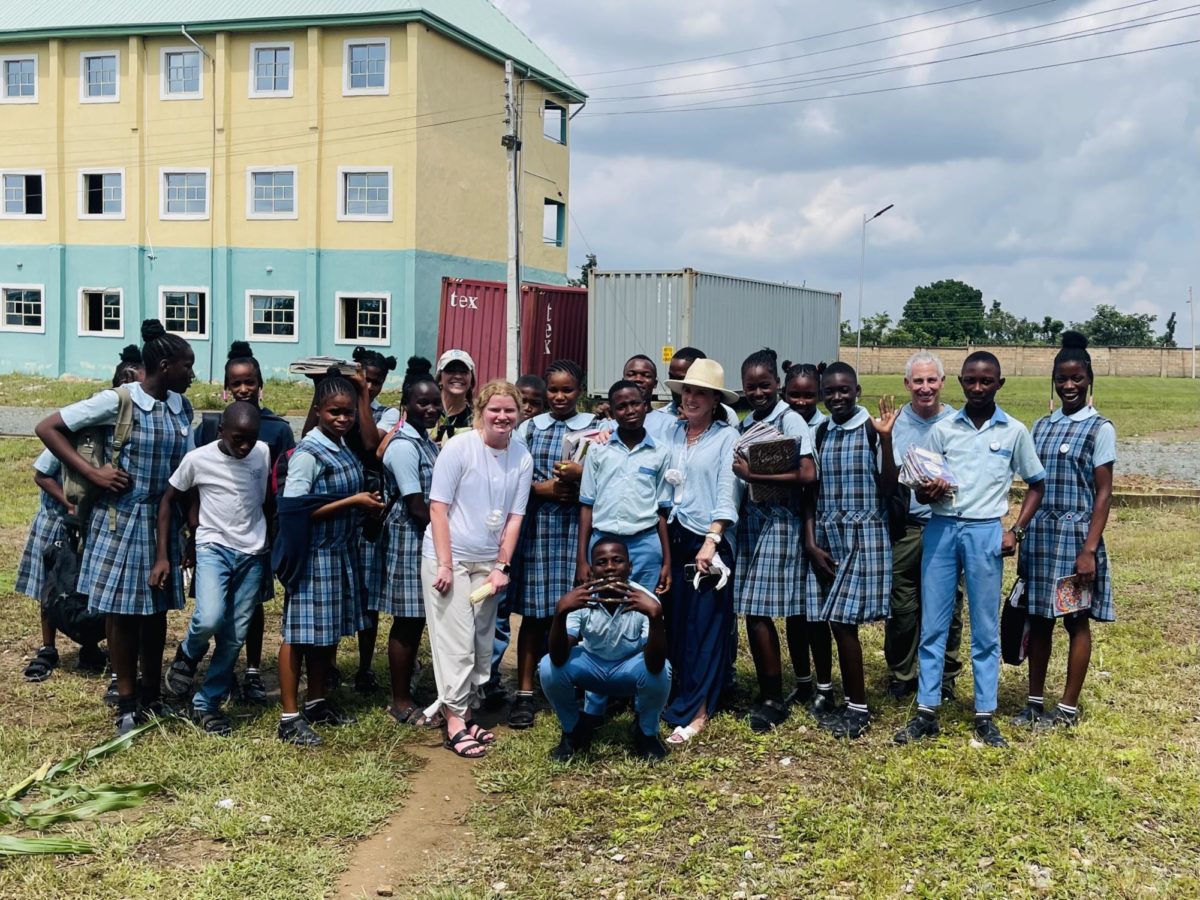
[{"x": 431, "y": 825}]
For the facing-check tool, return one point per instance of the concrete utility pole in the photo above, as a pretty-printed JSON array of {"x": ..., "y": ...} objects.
[
  {"x": 512, "y": 143},
  {"x": 862, "y": 274},
  {"x": 1192, "y": 327}
]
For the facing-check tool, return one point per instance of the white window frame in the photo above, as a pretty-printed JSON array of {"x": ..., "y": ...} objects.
[
  {"x": 165, "y": 289},
  {"x": 272, "y": 338},
  {"x": 84, "y": 97},
  {"x": 18, "y": 57},
  {"x": 340, "y": 338},
  {"x": 253, "y": 91},
  {"x": 162, "y": 195},
  {"x": 344, "y": 216},
  {"x": 83, "y": 331},
  {"x": 82, "y": 190},
  {"x": 23, "y": 216},
  {"x": 348, "y": 91},
  {"x": 164, "y": 79},
  {"x": 25, "y": 329},
  {"x": 251, "y": 171}
]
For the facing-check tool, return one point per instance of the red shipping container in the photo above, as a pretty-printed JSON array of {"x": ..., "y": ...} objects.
[{"x": 472, "y": 318}]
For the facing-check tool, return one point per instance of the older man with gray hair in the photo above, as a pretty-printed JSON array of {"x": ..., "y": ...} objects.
[{"x": 924, "y": 377}]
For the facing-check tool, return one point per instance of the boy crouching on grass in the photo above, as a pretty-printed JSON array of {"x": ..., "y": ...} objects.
[
  {"x": 608, "y": 637},
  {"x": 231, "y": 557}
]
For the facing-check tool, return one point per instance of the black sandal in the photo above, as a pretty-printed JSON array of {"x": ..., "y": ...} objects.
[
  {"x": 410, "y": 715},
  {"x": 42, "y": 664},
  {"x": 767, "y": 715},
  {"x": 455, "y": 745},
  {"x": 481, "y": 734}
]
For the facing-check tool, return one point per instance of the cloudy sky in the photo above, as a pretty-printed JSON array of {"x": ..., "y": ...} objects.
[{"x": 1051, "y": 190}]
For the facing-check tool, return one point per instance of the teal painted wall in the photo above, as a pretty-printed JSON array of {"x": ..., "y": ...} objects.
[{"x": 412, "y": 277}]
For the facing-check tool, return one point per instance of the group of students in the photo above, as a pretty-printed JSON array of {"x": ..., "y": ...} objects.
[{"x": 629, "y": 568}]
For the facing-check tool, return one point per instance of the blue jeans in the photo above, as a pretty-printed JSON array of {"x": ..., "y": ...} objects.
[
  {"x": 611, "y": 678},
  {"x": 951, "y": 548},
  {"x": 503, "y": 636},
  {"x": 227, "y": 588}
]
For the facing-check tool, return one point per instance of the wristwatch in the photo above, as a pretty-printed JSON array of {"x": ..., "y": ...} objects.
[
  {"x": 714, "y": 536},
  {"x": 1018, "y": 532},
  {"x": 503, "y": 568}
]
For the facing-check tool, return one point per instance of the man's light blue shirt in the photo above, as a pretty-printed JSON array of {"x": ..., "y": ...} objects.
[
  {"x": 610, "y": 635},
  {"x": 984, "y": 461},
  {"x": 626, "y": 487},
  {"x": 911, "y": 429}
]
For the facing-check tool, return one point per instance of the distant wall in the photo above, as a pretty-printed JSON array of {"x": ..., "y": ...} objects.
[{"x": 1172, "y": 363}]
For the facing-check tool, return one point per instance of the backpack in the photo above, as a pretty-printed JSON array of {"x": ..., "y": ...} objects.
[
  {"x": 90, "y": 444},
  {"x": 897, "y": 502},
  {"x": 66, "y": 608}
]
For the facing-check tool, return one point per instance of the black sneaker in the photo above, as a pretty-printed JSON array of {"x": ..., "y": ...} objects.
[
  {"x": 1028, "y": 715},
  {"x": 920, "y": 727},
  {"x": 1055, "y": 719},
  {"x": 767, "y": 716},
  {"x": 110, "y": 694},
  {"x": 43, "y": 663},
  {"x": 853, "y": 724},
  {"x": 522, "y": 713},
  {"x": 494, "y": 695},
  {"x": 823, "y": 704},
  {"x": 298, "y": 733},
  {"x": 831, "y": 719},
  {"x": 648, "y": 746},
  {"x": 899, "y": 688},
  {"x": 570, "y": 745},
  {"x": 802, "y": 694},
  {"x": 253, "y": 689},
  {"x": 126, "y": 722},
  {"x": 212, "y": 721},
  {"x": 366, "y": 683},
  {"x": 92, "y": 659},
  {"x": 177, "y": 681},
  {"x": 987, "y": 733},
  {"x": 325, "y": 714},
  {"x": 155, "y": 709}
]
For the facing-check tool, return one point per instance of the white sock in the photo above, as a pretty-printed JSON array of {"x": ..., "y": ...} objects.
[
  {"x": 1070, "y": 710},
  {"x": 1036, "y": 701},
  {"x": 313, "y": 704},
  {"x": 250, "y": 670},
  {"x": 858, "y": 707},
  {"x": 825, "y": 688},
  {"x": 288, "y": 717}
]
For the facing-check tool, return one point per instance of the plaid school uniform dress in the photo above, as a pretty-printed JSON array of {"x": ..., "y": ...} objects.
[
  {"x": 47, "y": 528},
  {"x": 1060, "y": 525},
  {"x": 768, "y": 552},
  {"x": 370, "y": 559},
  {"x": 851, "y": 524},
  {"x": 327, "y": 605},
  {"x": 402, "y": 594},
  {"x": 117, "y": 560},
  {"x": 549, "y": 533}
]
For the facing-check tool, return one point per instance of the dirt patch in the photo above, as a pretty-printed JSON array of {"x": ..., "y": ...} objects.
[{"x": 432, "y": 825}]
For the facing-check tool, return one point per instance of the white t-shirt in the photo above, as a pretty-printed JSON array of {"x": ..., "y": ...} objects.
[
  {"x": 232, "y": 492},
  {"x": 475, "y": 479}
]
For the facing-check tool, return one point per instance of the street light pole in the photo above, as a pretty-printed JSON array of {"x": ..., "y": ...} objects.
[
  {"x": 1192, "y": 328},
  {"x": 862, "y": 273}
]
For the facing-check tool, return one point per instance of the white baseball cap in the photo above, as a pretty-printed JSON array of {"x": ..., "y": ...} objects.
[{"x": 450, "y": 356}]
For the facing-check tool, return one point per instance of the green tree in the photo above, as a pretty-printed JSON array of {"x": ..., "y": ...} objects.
[
  {"x": 585, "y": 272},
  {"x": 1167, "y": 338},
  {"x": 946, "y": 312},
  {"x": 1110, "y": 327},
  {"x": 847, "y": 333},
  {"x": 1049, "y": 330}
]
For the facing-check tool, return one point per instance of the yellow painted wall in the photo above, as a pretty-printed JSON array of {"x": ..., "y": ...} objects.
[{"x": 28, "y": 140}]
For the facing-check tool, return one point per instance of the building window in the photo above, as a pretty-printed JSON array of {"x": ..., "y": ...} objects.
[
  {"x": 100, "y": 313},
  {"x": 365, "y": 68},
  {"x": 270, "y": 70},
  {"x": 553, "y": 218},
  {"x": 183, "y": 79},
  {"x": 554, "y": 122},
  {"x": 23, "y": 196},
  {"x": 98, "y": 78},
  {"x": 18, "y": 79},
  {"x": 271, "y": 315},
  {"x": 365, "y": 194},
  {"x": 271, "y": 193},
  {"x": 101, "y": 194},
  {"x": 363, "y": 318},
  {"x": 184, "y": 194},
  {"x": 23, "y": 308},
  {"x": 184, "y": 311}
]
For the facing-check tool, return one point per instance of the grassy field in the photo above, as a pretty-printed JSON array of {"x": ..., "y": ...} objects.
[
  {"x": 1109, "y": 810},
  {"x": 1136, "y": 405}
]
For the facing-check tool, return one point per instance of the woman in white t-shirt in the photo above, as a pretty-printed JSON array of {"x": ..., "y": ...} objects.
[{"x": 476, "y": 504}]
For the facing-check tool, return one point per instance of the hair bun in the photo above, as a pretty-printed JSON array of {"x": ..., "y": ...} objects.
[
  {"x": 359, "y": 353},
  {"x": 240, "y": 350},
  {"x": 132, "y": 355},
  {"x": 786, "y": 364},
  {"x": 418, "y": 365},
  {"x": 821, "y": 367},
  {"x": 389, "y": 363},
  {"x": 1074, "y": 340},
  {"x": 152, "y": 329}
]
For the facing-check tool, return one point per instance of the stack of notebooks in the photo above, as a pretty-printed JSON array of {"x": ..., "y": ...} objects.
[
  {"x": 921, "y": 465},
  {"x": 769, "y": 452},
  {"x": 316, "y": 366}
]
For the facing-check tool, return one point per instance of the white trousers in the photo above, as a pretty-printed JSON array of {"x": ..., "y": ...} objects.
[{"x": 460, "y": 634}]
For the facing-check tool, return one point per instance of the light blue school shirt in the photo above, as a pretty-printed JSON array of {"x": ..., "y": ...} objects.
[
  {"x": 911, "y": 429},
  {"x": 660, "y": 422},
  {"x": 608, "y": 635},
  {"x": 626, "y": 487},
  {"x": 708, "y": 490},
  {"x": 984, "y": 461},
  {"x": 303, "y": 468},
  {"x": 1104, "y": 450},
  {"x": 102, "y": 409},
  {"x": 389, "y": 416},
  {"x": 790, "y": 423},
  {"x": 47, "y": 464},
  {"x": 403, "y": 459}
]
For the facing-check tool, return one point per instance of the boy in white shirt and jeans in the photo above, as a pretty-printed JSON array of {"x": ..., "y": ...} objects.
[{"x": 231, "y": 557}]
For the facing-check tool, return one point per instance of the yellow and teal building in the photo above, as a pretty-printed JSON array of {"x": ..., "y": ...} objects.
[{"x": 298, "y": 173}]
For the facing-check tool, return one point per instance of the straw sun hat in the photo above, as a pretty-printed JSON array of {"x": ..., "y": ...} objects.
[{"x": 704, "y": 373}]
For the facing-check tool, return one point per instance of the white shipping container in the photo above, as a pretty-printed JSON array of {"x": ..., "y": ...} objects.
[{"x": 727, "y": 317}]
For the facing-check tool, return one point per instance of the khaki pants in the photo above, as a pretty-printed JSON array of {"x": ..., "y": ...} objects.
[
  {"x": 902, "y": 633},
  {"x": 460, "y": 634}
]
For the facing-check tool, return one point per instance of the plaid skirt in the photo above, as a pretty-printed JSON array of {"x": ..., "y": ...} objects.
[
  {"x": 47, "y": 528},
  {"x": 115, "y": 569},
  {"x": 328, "y": 604},
  {"x": 372, "y": 562},
  {"x": 547, "y": 568},
  {"x": 861, "y": 590},
  {"x": 1048, "y": 553},
  {"x": 768, "y": 562},
  {"x": 400, "y": 593}
]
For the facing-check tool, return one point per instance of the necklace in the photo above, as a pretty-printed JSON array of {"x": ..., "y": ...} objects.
[{"x": 495, "y": 517}]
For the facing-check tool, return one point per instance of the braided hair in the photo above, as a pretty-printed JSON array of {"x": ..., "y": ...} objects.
[
  {"x": 128, "y": 368},
  {"x": 569, "y": 366},
  {"x": 766, "y": 357},
  {"x": 792, "y": 371},
  {"x": 241, "y": 354},
  {"x": 159, "y": 347},
  {"x": 374, "y": 359},
  {"x": 419, "y": 371},
  {"x": 332, "y": 384}
]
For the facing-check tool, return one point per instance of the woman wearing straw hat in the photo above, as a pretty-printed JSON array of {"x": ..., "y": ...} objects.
[{"x": 699, "y": 610}]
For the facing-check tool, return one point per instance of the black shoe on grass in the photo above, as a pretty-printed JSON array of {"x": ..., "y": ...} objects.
[
  {"x": 823, "y": 705},
  {"x": 1028, "y": 715},
  {"x": 366, "y": 683},
  {"x": 323, "y": 713},
  {"x": 1057, "y": 718},
  {"x": 43, "y": 663},
  {"x": 126, "y": 722},
  {"x": 898, "y": 688},
  {"x": 298, "y": 733},
  {"x": 177, "y": 681},
  {"x": 253, "y": 689},
  {"x": 853, "y": 724},
  {"x": 212, "y": 722},
  {"x": 648, "y": 746},
  {"x": 92, "y": 659},
  {"x": 987, "y": 733},
  {"x": 522, "y": 713},
  {"x": 919, "y": 728}
]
